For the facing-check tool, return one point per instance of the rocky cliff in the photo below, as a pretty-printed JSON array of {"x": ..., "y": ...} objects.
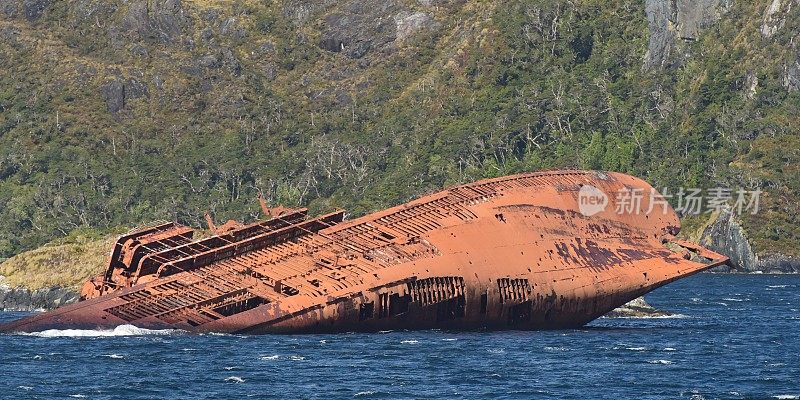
[{"x": 725, "y": 235}]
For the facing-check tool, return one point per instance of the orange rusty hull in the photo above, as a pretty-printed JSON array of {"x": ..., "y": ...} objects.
[{"x": 527, "y": 251}]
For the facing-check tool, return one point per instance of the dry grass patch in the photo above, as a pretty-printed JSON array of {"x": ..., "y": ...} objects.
[{"x": 57, "y": 264}]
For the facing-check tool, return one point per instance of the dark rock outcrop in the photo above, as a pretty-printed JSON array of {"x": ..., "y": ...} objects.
[
  {"x": 9, "y": 8},
  {"x": 164, "y": 21},
  {"x": 34, "y": 9},
  {"x": 21, "y": 299},
  {"x": 114, "y": 93},
  {"x": 364, "y": 27},
  {"x": 725, "y": 235},
  {"x": 118, "y": 92}
]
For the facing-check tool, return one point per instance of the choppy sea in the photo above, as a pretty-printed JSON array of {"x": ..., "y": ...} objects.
[{"x": 732, "y": 337}]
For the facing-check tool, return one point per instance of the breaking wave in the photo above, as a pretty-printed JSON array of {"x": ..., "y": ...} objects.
[
  {"x": 667, "y": 316},
  {"x": 122, "y": 330}
]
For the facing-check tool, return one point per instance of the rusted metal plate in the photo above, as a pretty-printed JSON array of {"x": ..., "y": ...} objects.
[{"x": 506, "y": 253}]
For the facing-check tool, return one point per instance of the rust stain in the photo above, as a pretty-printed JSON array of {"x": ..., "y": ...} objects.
[{"x": 504, "y": 253}]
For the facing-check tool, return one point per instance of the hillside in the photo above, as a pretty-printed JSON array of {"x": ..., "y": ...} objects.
[{"x": 117, "y": 113}]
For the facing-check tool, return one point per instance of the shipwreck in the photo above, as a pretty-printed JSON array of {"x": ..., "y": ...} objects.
[{"x": 540, "y": 250}]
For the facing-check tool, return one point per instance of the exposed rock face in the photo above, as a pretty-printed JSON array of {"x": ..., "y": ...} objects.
[
  {"x": 33, "y": 9},
  {"x": 9, "y": 8},
  {"x": 117, "y": 92},
  {"x": 364, "y": 27},
  {"x": 410, "y": 23},
  {"x": 672, "y": 22},
  {"x": 20, "y": 299},
  {"x": 163, "y": 21},
  {"x": 359, "y": 29},
  {"x": 637, "y": 308},
  {"x": 726, "y": 236},
  {"x": 775, "y": 16},
  {"x": 791, "y": 78}
]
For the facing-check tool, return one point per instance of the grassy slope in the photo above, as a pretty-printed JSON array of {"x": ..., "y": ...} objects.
[{"x": 66, "y": 263}]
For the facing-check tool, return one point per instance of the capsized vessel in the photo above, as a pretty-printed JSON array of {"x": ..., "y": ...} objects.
[{"x": 538, "y": 250}]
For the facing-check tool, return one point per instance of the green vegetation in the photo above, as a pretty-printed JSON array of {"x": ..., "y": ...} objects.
[{"x": 108, "y": 121}]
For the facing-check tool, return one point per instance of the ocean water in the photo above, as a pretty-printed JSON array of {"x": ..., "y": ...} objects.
[{"x": 733, "y": 337}]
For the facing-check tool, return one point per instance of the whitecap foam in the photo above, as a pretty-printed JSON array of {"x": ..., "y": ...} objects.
[
  {"x": 449, "y": 339},
  {"x": 297, "y": 358},
  {"x": 636, "y": 348},
  {"x": 268, "y": 358},
  {"x": 777, "y": 286},
  {"x": 670, "y": 349},
  {"x": 555, "y": 348},
  {"x": 661, "y": 362},
  {"x": 78, "y": 396},
  {"x": 409, "y": 341},
  {"x": 122, "y": 330},
  {"x": 364, "y": 393},
  {"x": 666, "y": 316},
  {"x": 234, "y": 379},
  {"x": 734, "y": 299},
  {"x": 787, "y": 396},
  {"x": 26, "y": 388},
  {"x": 114, "y": 356}
]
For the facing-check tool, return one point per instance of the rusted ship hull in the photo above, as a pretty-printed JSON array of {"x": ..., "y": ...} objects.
[{"x": 507, "y": 253}]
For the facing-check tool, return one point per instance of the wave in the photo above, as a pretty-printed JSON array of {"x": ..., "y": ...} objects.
[
  {"x": 122, "y": 330},
  {"x": 234, "y": 379},
  {"x": 667, "y": 316}
]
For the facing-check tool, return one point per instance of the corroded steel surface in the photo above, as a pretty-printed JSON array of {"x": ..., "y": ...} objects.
[{"x": 505, "y": 253}]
